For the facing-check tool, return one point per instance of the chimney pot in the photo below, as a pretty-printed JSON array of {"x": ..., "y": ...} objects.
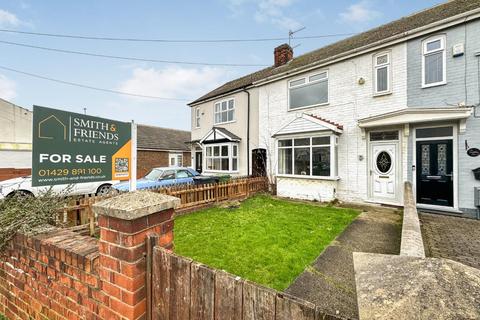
[{"x": 282, "y": 54}]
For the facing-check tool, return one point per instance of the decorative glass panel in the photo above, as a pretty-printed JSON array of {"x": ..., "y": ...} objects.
[
  {"x": 383, "y": 135},
  {"x": 384, "y": 162},
  {"x": 285, "y": 161},
  {"x": 442, "y": 159},
  {"x": 320, "y": 141},
  {"x": 309, "y": 95},
  {"x": 434, "y": 68},
  {"x": 425, "y": 159},
  {"x": 382, "y": 59},
  {"x": 321, "y": 161},
  {"x": 302, "y": 161}
]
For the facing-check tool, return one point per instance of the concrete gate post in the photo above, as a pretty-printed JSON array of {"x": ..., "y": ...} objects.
[{"x": 125, "y": 222}]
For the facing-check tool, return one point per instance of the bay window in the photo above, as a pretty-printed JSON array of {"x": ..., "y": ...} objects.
[
  {"x": 307, "y": 156},
  {"x": 308, "y": 91},
  {"x": 222, "y": 157}
]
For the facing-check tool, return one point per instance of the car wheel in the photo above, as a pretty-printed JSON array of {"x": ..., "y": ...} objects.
[
  {"x": 21, "y": 194},
  {"x": 104, "y": 189}
]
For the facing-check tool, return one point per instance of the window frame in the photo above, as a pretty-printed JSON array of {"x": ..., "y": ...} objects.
[
  {"x": 333, "y": 144},
  {"x": 197, "y": 117},
  {"x": 307, "y": 83},
  {"x": 219, "y": 102},
  {"x": 425, "y": 53},
  {"x": 376, "y": 67},
  {"x": 230, "y": 156}
]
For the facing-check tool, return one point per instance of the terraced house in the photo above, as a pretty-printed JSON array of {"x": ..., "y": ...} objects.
[{"x": 355, "y": 119}]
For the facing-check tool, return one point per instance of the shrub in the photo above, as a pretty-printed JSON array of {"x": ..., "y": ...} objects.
[{"x": 28, "y": 214}]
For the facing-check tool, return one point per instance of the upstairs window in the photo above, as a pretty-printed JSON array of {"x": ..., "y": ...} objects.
[
  {"x": 225, "y": 111},
  {"x": 382, "y": 73},
  {"x": 434, "y": 61},
  {"x": 197, "y": 118},
  {"x": 308, "y": 91}
]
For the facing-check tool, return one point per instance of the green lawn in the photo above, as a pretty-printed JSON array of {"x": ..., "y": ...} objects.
[{"x": 266, "y": 240}]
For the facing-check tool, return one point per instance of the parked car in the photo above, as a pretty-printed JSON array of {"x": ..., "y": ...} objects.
[
  {"x": 23, "y": 186},
  {"x": 166, "y": 176}
]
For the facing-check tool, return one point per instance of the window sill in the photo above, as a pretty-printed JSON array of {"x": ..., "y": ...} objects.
[
  {"x": 431, "y": 85},
  {"x": 308, "y": 107},
  {"x": 335, "y": 178},
  {"x": 381, "y": 94},
  {"x": 220, "y": 123}
]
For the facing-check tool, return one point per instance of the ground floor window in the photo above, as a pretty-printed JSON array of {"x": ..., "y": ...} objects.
[
  {"x": 222, "y": 157},
  {"x": 307, "y": 156},
  {"x": 175, "y": 159}
]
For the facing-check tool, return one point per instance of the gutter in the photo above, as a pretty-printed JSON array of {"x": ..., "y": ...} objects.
[{"x": 248, "y": 130}]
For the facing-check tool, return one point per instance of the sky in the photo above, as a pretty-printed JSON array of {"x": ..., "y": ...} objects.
[{"x": 161, "y": 19}]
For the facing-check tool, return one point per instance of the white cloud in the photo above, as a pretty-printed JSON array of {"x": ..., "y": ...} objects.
[
  {"x": 8, "y": 19},
  {"x": 7, "y": 88},
  {"x": 268, "y": 11},
  {"x": 174, "y": 82},
  {"x": 360, "y": 12}
]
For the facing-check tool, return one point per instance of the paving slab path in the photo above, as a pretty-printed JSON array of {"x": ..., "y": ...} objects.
[
  {"x": 452, "y": 238},
  {"x": 330, "y": 281}
]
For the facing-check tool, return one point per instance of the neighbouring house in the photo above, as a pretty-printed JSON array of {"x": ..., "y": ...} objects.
[
  {"x": 355, "y": 119},
  {"x": 15, "y": 140},
  {"x": 161, "y": 147}
]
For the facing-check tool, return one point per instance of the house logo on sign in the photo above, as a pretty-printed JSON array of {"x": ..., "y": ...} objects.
[{"x": 52, "y": 128}]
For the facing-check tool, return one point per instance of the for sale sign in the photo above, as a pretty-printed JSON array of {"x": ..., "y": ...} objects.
[{"x": 73, "y": 148}]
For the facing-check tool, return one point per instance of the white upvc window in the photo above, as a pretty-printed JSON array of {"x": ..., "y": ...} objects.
[
  {"x": 224, "y": 111},
  {"x": 221, "y": 157},
  {"x": 308, "y": 156},
  {"x": 197, "y": 117},
  {"x": 308, "y": 91},
  {"x": 434, "y": 60},
  {"x": 175, "y": 159},
  {"x": 382, "y": 73}
]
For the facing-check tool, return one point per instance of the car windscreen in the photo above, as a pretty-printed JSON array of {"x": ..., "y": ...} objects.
[{"x": 155, "y": 174}]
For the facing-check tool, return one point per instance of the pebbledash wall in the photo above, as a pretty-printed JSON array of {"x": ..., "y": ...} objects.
[
  {"x": 63, "y": 275},
  {"x": 348, "y": 102}
]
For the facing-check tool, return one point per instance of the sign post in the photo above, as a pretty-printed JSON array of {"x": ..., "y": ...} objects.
[
  {"x": 133, "y": 171},
  {"x": 71, "y": 148}
]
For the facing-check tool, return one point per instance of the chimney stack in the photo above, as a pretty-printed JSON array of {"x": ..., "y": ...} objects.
[{"x": 282, "y": 54}]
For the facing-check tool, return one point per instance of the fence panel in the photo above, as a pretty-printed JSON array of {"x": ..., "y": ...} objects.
[{"x": 183, "y": 289}]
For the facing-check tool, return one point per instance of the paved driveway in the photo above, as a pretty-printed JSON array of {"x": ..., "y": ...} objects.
[
  {"x": 330, "y": 281},
  {"x": 453, "y": 238}
]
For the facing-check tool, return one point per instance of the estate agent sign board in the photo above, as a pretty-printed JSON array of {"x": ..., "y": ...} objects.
[{"x": 73, "y": 148}]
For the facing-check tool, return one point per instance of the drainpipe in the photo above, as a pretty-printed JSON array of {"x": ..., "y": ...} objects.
[{"x": 248, "y": 130}]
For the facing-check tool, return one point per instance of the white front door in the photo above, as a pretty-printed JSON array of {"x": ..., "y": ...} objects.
[{"x": 383, "y": 171}]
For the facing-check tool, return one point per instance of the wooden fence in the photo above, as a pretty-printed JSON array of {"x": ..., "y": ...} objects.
[
  {"x": 78, "y": 210},
  {"x": 184, "y": 289}
]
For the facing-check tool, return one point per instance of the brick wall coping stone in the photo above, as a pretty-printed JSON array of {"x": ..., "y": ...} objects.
[
  {"x": 134, "y": 205},
  {"x": 412, "y": 242},
  {"x": 403, "y": 287}
]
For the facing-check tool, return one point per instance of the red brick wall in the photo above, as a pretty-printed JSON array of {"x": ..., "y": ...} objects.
[
  {"x": 10, "y": 173},
  {"x": 53, "y": 276},
  {"x": 64, "y": 275},
  {"x": 146, "y": 160}
]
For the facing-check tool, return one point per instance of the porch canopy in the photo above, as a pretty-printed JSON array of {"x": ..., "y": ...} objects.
[
  {"x": 219, "y": 135},
  {"x": 305, "y": 123},
  {"x": 417, "y": 115}
]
